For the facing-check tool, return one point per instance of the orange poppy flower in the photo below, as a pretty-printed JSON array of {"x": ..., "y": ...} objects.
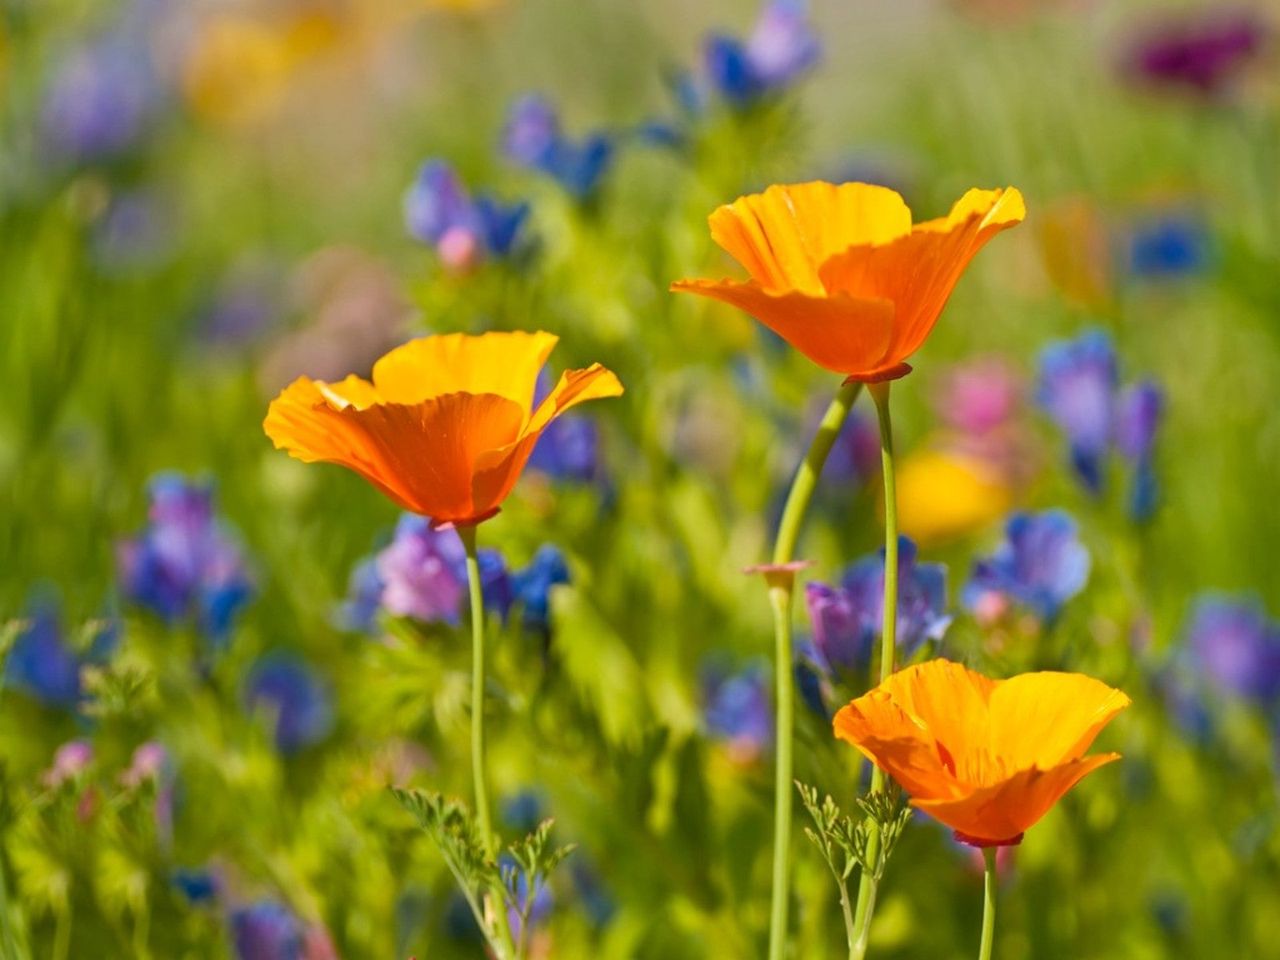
[
  {"x": 840, "y": 272},
  {"x": 986, "y": 757},
  {"x": 446, "y": 425}
]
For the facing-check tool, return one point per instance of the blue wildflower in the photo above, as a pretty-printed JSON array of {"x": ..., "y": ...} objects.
[
  {"x": 847, "y": 619},
  {"x": 1235, "y": 646},
  {"x": 538, "y": 909},
  {"x": 359, "y": 612},
  {"x": 266, "y": 930},
  {"x": 781, "y": 48},
  {"x": 1138, "y": 414},
  {"x": 532, "y": 585},
  {"x": 1040, "y": 565},
  {"x": 569, "y": 449},
  {"x": 533, "y": 139},
  {"x": 186, "y": 565},
  {"x": 439, "y": 212},
  {"x": 523, "y": 811},
  {"x": 42, "y": 663},
  {"x": 1077, "y": 388},
  {"x": 197, "y": 886},
  {"x": 810, "y": 669},
  {"x": 1169, "y": 245},
  {"x": 737, "y": 710},
  {"x": 295, "y": 696}
]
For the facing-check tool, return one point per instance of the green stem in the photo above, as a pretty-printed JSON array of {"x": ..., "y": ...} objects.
[
  {"x": 888, "y": 642},
  {"x": 806, "y": 478},
  {"x": 846, "y": 907},
  {"x": 780, "y": 600},
  {"x": 802, "y": 487},
  {"x": 988, "y": 904},
  {"x": 468, "y": 537},
  {"x": 858, "y": 946}
]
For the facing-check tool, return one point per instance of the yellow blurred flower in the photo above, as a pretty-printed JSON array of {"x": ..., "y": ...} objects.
[
  {"x": 945, "y": 493},
  {"x": 1077, "y": 257},
  {"x": 241, "y": 67}
]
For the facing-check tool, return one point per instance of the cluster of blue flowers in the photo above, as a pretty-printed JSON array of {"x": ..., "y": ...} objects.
[
  {"x": 781, "y": 48},
  {"x": 1079, "y": 388},
  {"x": 534, "y": 139},
  {"x": 422, "y": 574},
  {"x": 464, "y": 230},
  {"x": 1039, "y": 566},
  {"x": 43, "y": 662},
  {"x": 847, "y": 619},
  {"x": 186, "y": 566}
]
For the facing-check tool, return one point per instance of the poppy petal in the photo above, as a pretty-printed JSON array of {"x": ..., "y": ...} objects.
[
  {"x": 782, "y": 235},
  {"x": 918, "y": 272},
  {"x": 841, "y": 333},
  {"x": 896, "y": 742},
  {"x": 304, "y": 422},
  {"x": 423, "y": 456},
  {"x": 950, "y": 701},
  {"x": 498, "y": 469},
  {"x": 504, "y": 364},
  {"x": 1008, "y": 809},
  {"x": 1047, "y": 718}
]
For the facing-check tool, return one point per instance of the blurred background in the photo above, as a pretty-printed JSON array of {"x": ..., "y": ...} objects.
[{"x": 217, "y": 659}]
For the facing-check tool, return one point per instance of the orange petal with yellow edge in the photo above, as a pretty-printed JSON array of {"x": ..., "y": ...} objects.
[
  {"x": 502, "y": 363},
  {"x": 841, "y": 333},
  {"x": 918, "y": 272},
  {"x": 895, "y": 742},
  {"x": 304, "y": 422},
  {"x": 1003, "y": 812},
  {"x": 782, "y": 236},
  {"x": 1046, "y": 718},
  {"x": 498, "y": 469}
]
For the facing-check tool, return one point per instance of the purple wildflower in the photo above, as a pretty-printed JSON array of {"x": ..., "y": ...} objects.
[
  {"x": 849, "y": 618},
  {"x": 1235, "y": 646},
  {"x": 186, "y": 564},
  {"x": 266, "y": 930},
  {"x": 1201, "y": 54}
]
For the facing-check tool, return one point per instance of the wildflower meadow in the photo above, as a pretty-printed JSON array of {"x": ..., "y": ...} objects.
[{"x": 578, "y": 479}]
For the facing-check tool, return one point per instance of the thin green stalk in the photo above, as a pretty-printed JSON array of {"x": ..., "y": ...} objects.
[
  {"x": 888, "y": 645},
  {"x": 988, "y": 904},
  {"x": 780, "y": 600},
  {"x": 802, "y": 487},
  {"x": 806, "y": 478},
  {"x": 478, "y": 776}
]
